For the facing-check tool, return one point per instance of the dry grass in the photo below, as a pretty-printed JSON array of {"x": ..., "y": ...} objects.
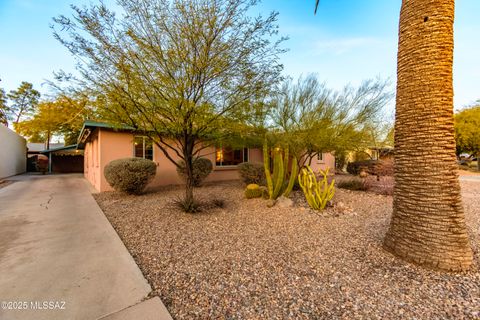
[{"x": 247, "y": 261}]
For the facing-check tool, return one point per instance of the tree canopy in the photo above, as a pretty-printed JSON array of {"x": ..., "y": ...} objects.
[
  {"x": 313, "y": 119},
  {"x": 3, "y": 108},
  {"x": 176, "y": 70},
  {"x": 23, "y": 102},
  {"x": 467, "y": 130},
  {"x": 63, "y": 116}
]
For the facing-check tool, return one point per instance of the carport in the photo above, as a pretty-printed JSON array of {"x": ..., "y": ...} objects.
[{"x": 66, "y": 159}]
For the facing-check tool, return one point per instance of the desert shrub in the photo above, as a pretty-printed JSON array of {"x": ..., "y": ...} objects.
[
  {"x": 219, "y": 203},
  {"x": 252, "y": 173},
  {"x": 188, "y": 206},
  {"x": 356, "y": 167},
  {"x": 130, "y": 175},
  {"x": 201, "y": 169},
  {"x": 373, "y": 167},
  {"x": 354, "y": 184},
  {"x": 253, "y": 191}
]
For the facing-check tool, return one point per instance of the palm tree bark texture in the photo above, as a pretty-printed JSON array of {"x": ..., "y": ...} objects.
[{"x": 428, "y": 223}]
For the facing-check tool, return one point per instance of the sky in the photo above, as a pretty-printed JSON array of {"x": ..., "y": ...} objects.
[{"x": 346, "y": 42}]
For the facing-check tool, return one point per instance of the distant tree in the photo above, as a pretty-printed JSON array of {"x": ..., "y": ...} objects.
[
  {"x": 62, "y": 116},
  {"x": 313, "y": 119},
  {"x": 176, "y": 70},
  {"x": 23, "y": 102},
  {"x": 467, "y": 131},
  {"x": 3, "y": 108}
]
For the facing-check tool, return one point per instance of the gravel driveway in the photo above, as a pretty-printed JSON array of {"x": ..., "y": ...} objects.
[{"x": 247, "y": 261}]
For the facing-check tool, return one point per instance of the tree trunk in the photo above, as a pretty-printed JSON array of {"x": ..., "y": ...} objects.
[
  {"x": 189, "y": 183},
  {"x": 428, "y": 223},
  {"x": 478, "y": 161},
  {"x": 47, "y": 142}
]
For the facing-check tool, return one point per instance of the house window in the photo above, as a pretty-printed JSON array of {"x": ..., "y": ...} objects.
[
  {"x": 226, "y": 156},
  {"x": 143, "y": 147},
  {"x": 320, "y": 157}
]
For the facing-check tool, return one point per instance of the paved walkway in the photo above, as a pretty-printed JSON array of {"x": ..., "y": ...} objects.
[{"x": 61, "y": 259}]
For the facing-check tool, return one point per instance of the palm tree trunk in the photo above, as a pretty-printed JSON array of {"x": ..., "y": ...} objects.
[{"x": 428, "y": 223}]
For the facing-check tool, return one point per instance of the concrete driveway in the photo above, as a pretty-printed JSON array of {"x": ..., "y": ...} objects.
[{"x": 61, "y": 259}]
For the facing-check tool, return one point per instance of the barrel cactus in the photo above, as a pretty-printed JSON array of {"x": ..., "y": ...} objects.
[{"x": 253, "y": 191}]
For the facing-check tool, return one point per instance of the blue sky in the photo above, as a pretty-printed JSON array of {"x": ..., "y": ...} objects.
[{"x": 346, "y": 42}]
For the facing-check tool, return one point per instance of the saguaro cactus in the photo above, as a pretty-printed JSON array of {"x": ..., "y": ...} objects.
[{"x": 282, "y": 180}]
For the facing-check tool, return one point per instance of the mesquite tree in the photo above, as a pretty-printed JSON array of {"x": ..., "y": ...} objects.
[
  {"x": 176, "y": 70},
  {"x": 313, "y": 119}
]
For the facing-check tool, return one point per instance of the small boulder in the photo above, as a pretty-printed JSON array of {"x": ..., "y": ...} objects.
[{"x": 284, "y": 202}]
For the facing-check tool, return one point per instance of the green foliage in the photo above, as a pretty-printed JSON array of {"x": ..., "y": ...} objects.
[
  {"x": 310, "y": 118},
  {"x": 317, "y": 192},
  {"x": 467, "y": 130},
  {"x": 24, "y": 101},
  {"x": 354, "y": 184},
  {"x": 62, "y": 116},
  {"x": 202, "y": 167},
  {"x": 252, "y": 172},
  {"x": 253, "y": 191},
  {"x": 282, "y": 180},
  {"x": 130, "y": 175},
  {"x": 3, "y": 108},
  {"x": 183, "y": 70},
  {"x": 366, "y": 165},
  {"x": 188, "y": 205}
]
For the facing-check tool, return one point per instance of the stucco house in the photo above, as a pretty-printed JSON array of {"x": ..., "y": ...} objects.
[{"x": 103, "y": 143}]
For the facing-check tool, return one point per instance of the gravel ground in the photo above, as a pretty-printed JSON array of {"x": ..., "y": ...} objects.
[{"x": 247, "y": 261}]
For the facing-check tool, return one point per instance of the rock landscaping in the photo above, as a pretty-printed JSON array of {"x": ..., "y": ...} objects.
[{"x": 249, "y": 261}]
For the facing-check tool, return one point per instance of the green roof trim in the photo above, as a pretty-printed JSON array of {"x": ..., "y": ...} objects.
[
  {"x": 90, "y": 125},
  {"x": 72, "y": 146}
]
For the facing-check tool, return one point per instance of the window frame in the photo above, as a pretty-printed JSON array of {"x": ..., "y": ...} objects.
[
  {"x": 320, "y": 157},
  {"x": 144, "y": 139},
  {"x": 232, "y": 165}
]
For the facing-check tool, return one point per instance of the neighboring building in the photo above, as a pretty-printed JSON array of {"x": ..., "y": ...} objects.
[
  {"x": 37, "y": 147},
  {"x": 14, "y": 153},
  {"x": 34, "y": 153},
  {"x": 103, "y": 143}
]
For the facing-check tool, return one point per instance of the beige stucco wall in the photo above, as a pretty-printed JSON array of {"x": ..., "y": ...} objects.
[
  {"x": 14, "y": 153},
  {"x": 327, "y": 162},
  {"x": 105, "y": 145},
  {"x": 91, "y": 164}
]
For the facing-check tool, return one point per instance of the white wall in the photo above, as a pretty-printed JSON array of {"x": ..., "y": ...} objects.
[{"x": 13, "y": 153}]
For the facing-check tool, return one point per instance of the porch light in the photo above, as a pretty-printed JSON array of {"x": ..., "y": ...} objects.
[{"x": 219, "y": 155}]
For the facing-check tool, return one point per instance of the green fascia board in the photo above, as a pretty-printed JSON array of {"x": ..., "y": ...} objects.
[
  {"x": 72, "y": 146},
  {"x": 89, "y": 124}
]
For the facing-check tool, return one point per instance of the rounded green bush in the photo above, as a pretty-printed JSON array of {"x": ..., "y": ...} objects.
[
  {"x": 252, "y": 172},
  {"x": 201, "y": 169},
  {"x": 130, "y": 175}
]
